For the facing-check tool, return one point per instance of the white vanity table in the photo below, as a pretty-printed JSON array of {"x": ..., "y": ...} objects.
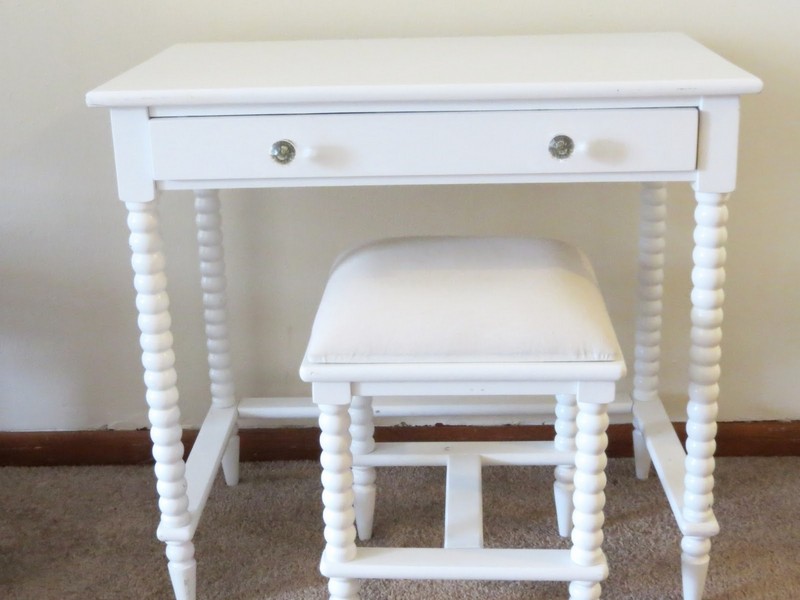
[{"x": 647, "y": 108}]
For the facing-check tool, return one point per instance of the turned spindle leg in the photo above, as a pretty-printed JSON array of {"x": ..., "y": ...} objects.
[
  {"x": 589, "y": 498},
  {"x": 215, "y": 304},
  {"x": 564, "y": 487},
  {"x": 362, "y": 430},
  {"x": 708, "y": 277},
  {"x": 648, "y": 322},
  {"x": 162, "y": 394},
  {"x": 337, "y": 495}
]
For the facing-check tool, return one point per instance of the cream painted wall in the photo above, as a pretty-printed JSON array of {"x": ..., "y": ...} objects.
[{"x": 68, "y": 338}]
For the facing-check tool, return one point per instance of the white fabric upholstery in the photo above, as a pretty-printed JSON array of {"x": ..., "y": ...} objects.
[{"x": 464, "y": 300}]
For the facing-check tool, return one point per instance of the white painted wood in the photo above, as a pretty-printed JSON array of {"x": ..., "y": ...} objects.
[
  {"x": 463, "y": 514},
  {"x": 337, "y": 495},
  {"x": 708, "y": 278},
  {"x": 302, "y": 408},
  {"x": 432, "y": 454},
  {"x": 215, "y": 302},
  {"x": 362, "y": 431},
  {"x": 201, "y": 469},
  {"x": 277, "y": 408},
  {"x": 590, "y": 481},
  {"x": 446, "y": 379},
  {"x": 694, "y": 566},
  {"x": 718, "y": 145},
  {"x": 350, "y": 72},
  {"x": 209, "y": 448},
  {"x": 160, "y": 378},
  {"x": 230, "y": 459},
  {"x": 582, "y": 440},
  {"x": 453, "y": 387},
  {"x": 669, "y": 457},
  {"x": 493, "y": 92},
  {"x": 133, "y": 154},
  {"x": 641, "y": 457},
  {"x": 464, "y": 563},
  {"x": 637, "y": 177},
  {"x": 215, "y": 313},
  {"x": 564, "y": 486},
  {"x": 424, "y": 144},
  {"x": 238, "y": 110},
  {"x": 343, "y": 589},
  {"x": 182, "y": 569},
  {"x": 652, "y": 227},
  {"x": 332, "y": 392}
]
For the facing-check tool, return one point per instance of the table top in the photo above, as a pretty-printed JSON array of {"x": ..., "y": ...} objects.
[{"x": 514, "y": 68}]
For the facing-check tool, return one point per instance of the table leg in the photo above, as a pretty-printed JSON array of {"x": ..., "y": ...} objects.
[
  {"x": 160, "y": 378},
  {"x": 648, "y": 322},
  {"x": 708, "y": 277},
  {"x": 215, "y": 304}
]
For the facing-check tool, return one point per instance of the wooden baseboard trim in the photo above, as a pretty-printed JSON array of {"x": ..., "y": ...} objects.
[{"x": 116, "y": 447}]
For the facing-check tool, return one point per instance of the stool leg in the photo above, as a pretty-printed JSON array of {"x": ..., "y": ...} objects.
[
  {"x": 589, "y": 498},
  {"x": 343, "y": 589},
  {"x": 337, "y": 495},
  {"x": 652, "y": 225},
  {"x": 362, "y": 429},
  {"x": 566, "y": 429}
]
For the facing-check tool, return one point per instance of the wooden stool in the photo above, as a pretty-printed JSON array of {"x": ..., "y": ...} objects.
[{"x": 453, "y": 316}]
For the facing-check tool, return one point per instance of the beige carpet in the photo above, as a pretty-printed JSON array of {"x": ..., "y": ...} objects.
[{"x": 88, "y": 533}]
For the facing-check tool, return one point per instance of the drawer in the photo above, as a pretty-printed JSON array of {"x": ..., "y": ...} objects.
[{"x": 374, "y": 145}]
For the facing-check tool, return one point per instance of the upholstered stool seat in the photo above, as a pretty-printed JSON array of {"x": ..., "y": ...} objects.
[{"x": 456, "y": 316}]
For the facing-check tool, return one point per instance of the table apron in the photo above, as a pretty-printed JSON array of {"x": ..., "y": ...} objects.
[{"x": 451, "y": 147}]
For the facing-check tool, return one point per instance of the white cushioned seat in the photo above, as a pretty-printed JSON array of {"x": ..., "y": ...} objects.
[{"x": 401, "y": 300}]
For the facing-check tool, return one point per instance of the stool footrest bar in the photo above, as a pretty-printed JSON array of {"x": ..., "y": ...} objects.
[
  {"x": 464, "y": 564},
  {"x": 432, "y": 454}
]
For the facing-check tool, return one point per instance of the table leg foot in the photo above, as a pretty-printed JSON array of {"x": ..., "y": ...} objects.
[
  {"x": 365, "y": 493},
  {"x": 694, "y": 566},
  {"x": 182, "y": 569},
  {"x": 563, "y": 496},
  {"x": 584, "y": 590},
  {"x": 230, "y": 461},
  {"x": 641, "y": 456},
  {"x": 344, "y": 589}
]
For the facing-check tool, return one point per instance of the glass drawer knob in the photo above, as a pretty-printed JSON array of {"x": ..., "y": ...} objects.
[
  {"x": 283, "y": 152},
  {"x": 561, "y": 147}
]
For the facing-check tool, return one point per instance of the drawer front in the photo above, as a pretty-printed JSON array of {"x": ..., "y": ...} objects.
[{"x": 374, "y": 145}]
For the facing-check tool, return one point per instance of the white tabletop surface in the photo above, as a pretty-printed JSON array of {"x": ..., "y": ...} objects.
[{"x": 593, "y": 66}]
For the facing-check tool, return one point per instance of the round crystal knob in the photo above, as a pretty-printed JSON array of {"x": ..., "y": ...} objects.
[
  {"x": 561, "y": 147},
  {"x": 283, "y": 152}
]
